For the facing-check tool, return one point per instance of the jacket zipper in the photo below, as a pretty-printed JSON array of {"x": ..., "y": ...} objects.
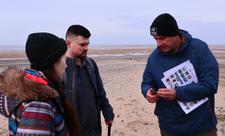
[
  {"x": 73, "y": 81},
  {"x": 210, "y": 109}
]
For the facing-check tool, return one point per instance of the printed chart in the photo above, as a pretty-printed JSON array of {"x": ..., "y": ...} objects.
[{"x": 182, "y": 75}]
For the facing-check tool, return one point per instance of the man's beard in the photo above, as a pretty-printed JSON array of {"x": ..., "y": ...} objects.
[{"x": 82, "y": 57}]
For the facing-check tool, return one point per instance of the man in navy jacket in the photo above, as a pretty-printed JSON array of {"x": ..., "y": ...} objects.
[
  {"x": 84, "y": 86},
  {"x": 176, "y": 46}
]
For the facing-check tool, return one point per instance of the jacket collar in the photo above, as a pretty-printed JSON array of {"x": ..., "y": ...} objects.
[{"x": 14, "y": 82}]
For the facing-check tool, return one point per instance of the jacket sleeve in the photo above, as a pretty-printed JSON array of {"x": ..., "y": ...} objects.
[
  {"x": 105, "y": 107},
  {"x": 148, "y": 80},
  {"x": 207, "y": 71},
  {"x": 37, "y": 119}
]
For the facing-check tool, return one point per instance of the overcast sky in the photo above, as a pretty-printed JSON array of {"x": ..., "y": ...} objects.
[{"x": 115, "y": 22}]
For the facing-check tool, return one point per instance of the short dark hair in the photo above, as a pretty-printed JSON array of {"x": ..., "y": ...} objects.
[{"x": 78, "y": 30}]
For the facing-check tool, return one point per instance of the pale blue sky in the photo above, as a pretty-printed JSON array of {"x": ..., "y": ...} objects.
[{"x": 115, "y": 22}]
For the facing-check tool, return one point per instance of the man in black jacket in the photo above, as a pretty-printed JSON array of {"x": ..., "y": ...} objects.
[{"x": 84, "y": 86}]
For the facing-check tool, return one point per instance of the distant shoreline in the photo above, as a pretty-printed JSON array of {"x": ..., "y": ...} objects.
[{"x": 10, "y": 49}]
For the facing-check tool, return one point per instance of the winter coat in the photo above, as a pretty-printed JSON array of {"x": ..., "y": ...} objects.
[
  {"x": 172, "y": 119},
  {"x": 32, "y": 106},
  {"x": 71, "y": 88}
]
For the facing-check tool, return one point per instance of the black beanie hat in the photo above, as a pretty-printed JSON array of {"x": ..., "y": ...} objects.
[
  {"x": 164, "y": 25},
  {"x": 44, "y": 49}
]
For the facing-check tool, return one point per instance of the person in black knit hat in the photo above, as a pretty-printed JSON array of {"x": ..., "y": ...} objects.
[
  {"x": 44, "y": 49},
  {"x": 176, "y": 46},
  {"x": 37, "y": 104},
  {"x": 164, "y": 25}
]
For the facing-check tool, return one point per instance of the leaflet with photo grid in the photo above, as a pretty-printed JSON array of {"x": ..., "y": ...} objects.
[{"x": 182, "y": 75}]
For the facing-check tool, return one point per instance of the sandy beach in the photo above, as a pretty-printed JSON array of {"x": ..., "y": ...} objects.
[{"x": 121, "y": 69}]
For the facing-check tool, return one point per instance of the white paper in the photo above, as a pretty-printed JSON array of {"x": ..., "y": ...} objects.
[
  {"x": 189, "y": 66},
  {"x": 187, "y": 107},
  {"x": 179, "y": 76},
  {"x": 182, "y": 75}
]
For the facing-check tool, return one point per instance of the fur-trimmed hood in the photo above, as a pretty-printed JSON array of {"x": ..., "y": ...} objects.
[{"x": 13, "y": 82}]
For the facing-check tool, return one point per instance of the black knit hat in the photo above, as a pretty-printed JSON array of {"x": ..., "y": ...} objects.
[
  {"x": 164, "y": 25},
  {"x": 44, "y": 49}
]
